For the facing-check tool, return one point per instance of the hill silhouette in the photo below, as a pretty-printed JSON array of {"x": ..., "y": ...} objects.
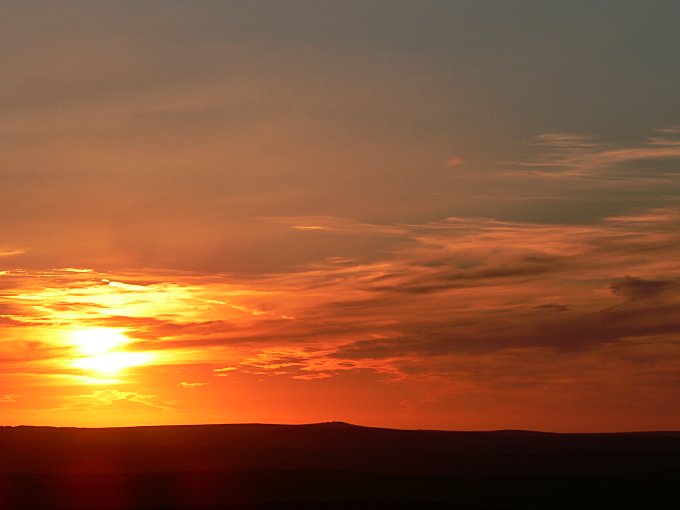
[{"x": 330, "y": 465}]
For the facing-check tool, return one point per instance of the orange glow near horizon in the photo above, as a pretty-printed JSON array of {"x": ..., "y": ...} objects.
[{"x": 294, "y": 347}]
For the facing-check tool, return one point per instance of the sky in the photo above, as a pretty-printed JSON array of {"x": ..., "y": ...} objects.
[{"x": 459, "y": 214}]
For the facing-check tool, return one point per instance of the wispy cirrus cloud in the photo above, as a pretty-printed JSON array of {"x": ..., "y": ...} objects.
[
  {"x": 476, "y": 305},
  {"x": 110, "y": 398},
  {"x": 543, "y": 285},
  {"x": 576, "y": 155},
  {"x": 192, "y": 385},
  {"x": 8, "y": 252}
]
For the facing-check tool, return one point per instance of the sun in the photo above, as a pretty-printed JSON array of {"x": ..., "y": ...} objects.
[
  {"x": 113, "y": 362},
  {"x": 103, "y": 350},
  {"x": 93, "y": 341}
]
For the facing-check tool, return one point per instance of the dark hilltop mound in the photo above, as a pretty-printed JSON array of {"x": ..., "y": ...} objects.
[{"x": 331, "y": 465}]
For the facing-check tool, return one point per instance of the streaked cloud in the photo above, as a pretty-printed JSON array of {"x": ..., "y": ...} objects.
[
  {"x": 109, "y": 398},
  {"x": 569, "y": 154},
  {"x": 454, "y": 161},
  {"x": 11, "y": 252},
  {"x": 483, "y": 292},
  {"x": 192, "y": 385}
]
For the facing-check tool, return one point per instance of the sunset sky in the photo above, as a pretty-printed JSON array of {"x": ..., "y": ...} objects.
[{"x": 454, "y": 214}]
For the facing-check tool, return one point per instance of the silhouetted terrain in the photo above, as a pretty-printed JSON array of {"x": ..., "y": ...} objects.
[{"x": 331, "y": 465}]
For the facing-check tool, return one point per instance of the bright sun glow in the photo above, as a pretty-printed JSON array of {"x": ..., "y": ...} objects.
[
  {"x": 95, "y": 341},
  {"x": 113, "y": 362},
  {"x": 102, "y": 350}
]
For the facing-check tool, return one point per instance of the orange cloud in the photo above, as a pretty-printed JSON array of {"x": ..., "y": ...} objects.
[{"x": 483, "y": 306}]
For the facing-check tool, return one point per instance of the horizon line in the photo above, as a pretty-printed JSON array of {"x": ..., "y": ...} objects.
[{"x": 347, "y": 424}]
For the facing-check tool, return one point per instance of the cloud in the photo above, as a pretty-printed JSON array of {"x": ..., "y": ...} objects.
[
  {"x": 192, "y": 385},
  {"x": 112, "y": 398},
  {"x": 635, "y": 289},
  {"x": 455, "y": 161},
  {"x": 11, "y": 252},
  {"x": 10, "y": 397},
  {"x": 575, "y": 155},
  {"x": 335, "y": 224},
  {"x": 223, "y": 372},
  {"x": 471, "y": 287}
]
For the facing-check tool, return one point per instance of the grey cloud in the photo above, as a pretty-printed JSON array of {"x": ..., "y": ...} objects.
[
  {"x": 579, "y": 156},
  {"x": 637, "y": 288}
]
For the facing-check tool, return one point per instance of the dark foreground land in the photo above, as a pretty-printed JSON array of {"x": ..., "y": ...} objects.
[{"x": 332, "y": 466}]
